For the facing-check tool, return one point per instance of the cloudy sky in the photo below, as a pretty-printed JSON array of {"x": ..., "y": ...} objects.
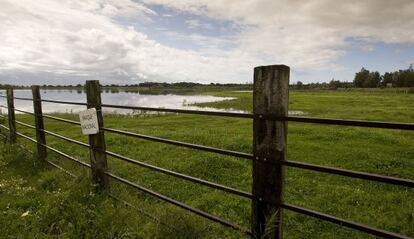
[{"x": 131, "y": 41}]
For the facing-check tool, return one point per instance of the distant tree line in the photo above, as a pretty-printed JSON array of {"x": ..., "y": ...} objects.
[
  {"x": 142, "y": 85},
  {"x": 366, "y": 79},
  {"x": 178, "y": 85},
  {"x": 363, "y": 79},
  {"x": 401, "y": 78},
  {"x": 332, "y": 85},
  {"x": 5, "y": 86}
]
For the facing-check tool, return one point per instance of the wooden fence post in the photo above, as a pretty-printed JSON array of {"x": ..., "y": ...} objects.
[
  {"x": 97, "y": 149},
  {"x": 40, "y": 134},
  {"x": 270, "y": 98},
  {"x": 11, "y": 115}
]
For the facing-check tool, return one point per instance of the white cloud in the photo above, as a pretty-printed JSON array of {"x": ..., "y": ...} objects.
[
  {"x": 77, "y": 39},
  {"x": 308, "y": 34},
  {"x": 83, "y": 38}
]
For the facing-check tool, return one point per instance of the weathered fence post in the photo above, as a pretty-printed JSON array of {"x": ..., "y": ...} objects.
[
  {"x": 270, "y": 99},
  {"x": 40, "y": 134},
  {"x": 97, "y": 141},
  {"x": 11, "y": 115}
]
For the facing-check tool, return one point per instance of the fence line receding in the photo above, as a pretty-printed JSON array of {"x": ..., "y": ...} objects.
[{"x": 270, "y": 107}]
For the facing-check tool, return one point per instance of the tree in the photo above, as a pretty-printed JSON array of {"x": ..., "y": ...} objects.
[
  {"x": 334, "y": 84},
  {"x": 387, "y": 78},
  {"x": 360, "y": 77},
  {"x": 373, "y": 80}
]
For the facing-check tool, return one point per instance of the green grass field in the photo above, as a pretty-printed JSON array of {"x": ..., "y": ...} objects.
[{"x": 61, "y": 207}]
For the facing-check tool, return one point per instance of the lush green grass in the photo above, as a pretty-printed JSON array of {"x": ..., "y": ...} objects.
[
  {"x": 383, "y": 106},
  {"x": 387, "y": 152},
  {"x": 38, "y": 202}
]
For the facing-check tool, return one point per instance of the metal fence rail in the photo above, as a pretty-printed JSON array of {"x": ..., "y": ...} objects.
[
  {"x": 61, "y": 119},
  {"x": 64, "y": 102},
  {"x": 152, "y": 217},
  {"x": 342, "y": 222},
  {"x": 153, "y": 193},
  {"x": 182, "y": 144},
  {"x": 142, "y": 164},
  {"x": 295, "y": 164},
  {"x": 261, "y": 160},
  {"x": 350, "y": 173},
  {"x": 356, "y": 123},
  {"x": 180, "y": 204},
  {"x": 67, "y": 139},
  {"x": 197, "y": 112},
  {"x": 182, "y": 176}
]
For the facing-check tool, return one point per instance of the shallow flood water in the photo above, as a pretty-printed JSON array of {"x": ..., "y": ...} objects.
[
  {"x": 173, "y": 101},
  {"x": 124, "y": 98}
]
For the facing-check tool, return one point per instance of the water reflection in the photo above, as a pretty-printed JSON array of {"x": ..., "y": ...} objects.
[
  {"x": 113, "y": 96},
  {"x": 159, "y": 99}
]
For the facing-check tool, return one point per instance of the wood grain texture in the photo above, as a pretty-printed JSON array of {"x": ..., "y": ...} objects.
[
  {"x": 11, "y": 115},
  {"x": 270, "y": 96},
  {"x": 40, "y": 134},
  {"x": 97, "y": 153}
]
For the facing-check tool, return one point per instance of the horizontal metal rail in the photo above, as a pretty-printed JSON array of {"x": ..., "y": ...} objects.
[
  {"x": 343, "y": 222},
  {"x": 46, "y": 116},
  {"x": 23, "y": 98},
  {"x": 183, "y": 176},
  {"x": 67, "y": 139},
  {"x": 197, "y": 112},
  {"x": 87, "y": 165},
  {"x": 4, "y": 127},
  {"x": 149, "y": 215},
  {"x": 23, "y": 111},
  {"x": 343, "y": 122},
  {"x": 56, "y": 151},
  {"x": 182, "y": 144},
  {"x": 64, "y": 102},
  {"x": 68, "y": 156},
  {"x": 60, "y": 168},
  {"x": 61, "y": 119},
  {"x": 25, "y": 125},
  {"x": 350, "y": 173},
  {"x": 18, "y": 110},
  {"x": 358, "y": 123},
  {"x": 26, "y": 137},
  {"x": 180, "y": 204},
  {"x": 52, "y": 101}
]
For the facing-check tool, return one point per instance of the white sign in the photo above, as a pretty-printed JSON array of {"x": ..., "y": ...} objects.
[{"x": 89, "y": 121}]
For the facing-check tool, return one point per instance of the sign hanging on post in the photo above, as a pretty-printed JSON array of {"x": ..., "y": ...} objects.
[{"x": 89, "y": 121}]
